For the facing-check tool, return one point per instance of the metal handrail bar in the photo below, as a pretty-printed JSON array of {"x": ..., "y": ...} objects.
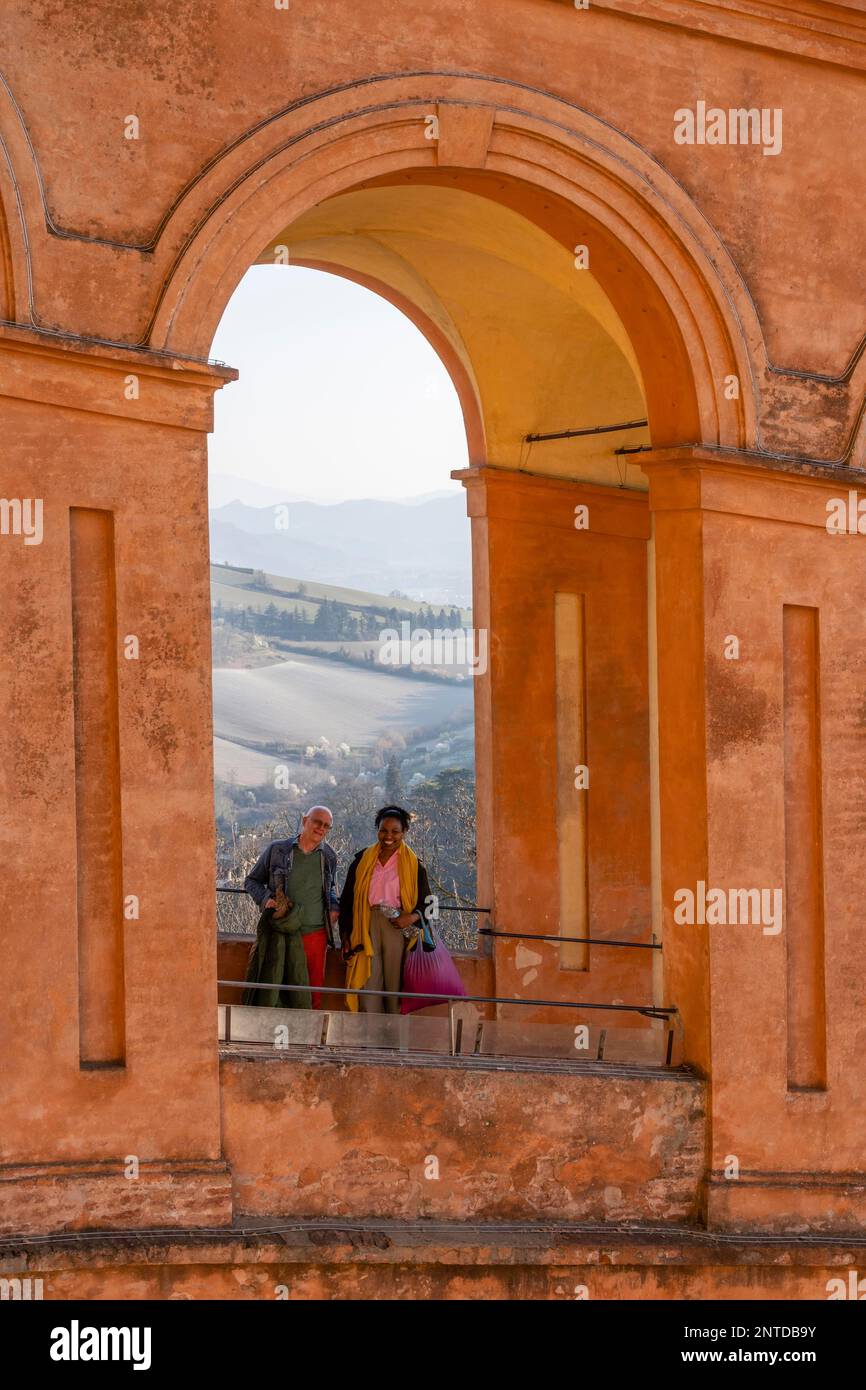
[
  {"x": 589, "y": 940},
  {"x": 588, "y": 429},
  {"x": 646, "y": 1010},
  {"x": 525, "y": 935},
  {"x": 467, "y": 907}
]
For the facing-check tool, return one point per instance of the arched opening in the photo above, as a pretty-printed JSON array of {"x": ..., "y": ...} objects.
[
  {"x": 582, "y": 308},
  {"x": 666, "y": 274},
  {"x": 533, "y": 343},
  {"x": 553, "y": 401}
]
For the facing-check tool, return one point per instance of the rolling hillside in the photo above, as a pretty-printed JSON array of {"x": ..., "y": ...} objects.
[
  {"x": 274, "y": 710},
  {"x": 234, "y": 588}
]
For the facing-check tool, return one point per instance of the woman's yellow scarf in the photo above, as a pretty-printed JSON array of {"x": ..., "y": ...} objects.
[{"x": 360, "y": 966}]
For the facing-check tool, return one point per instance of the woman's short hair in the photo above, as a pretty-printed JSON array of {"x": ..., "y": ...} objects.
[{"x": 398, "y": 814}]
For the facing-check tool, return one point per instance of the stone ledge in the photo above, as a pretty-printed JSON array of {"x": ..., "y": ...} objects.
[
  {"x": 379, "y": 1057},
  {"x": 422, "y": 1241}
]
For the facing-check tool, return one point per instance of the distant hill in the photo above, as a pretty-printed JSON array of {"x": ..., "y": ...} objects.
[
  {"x": 231, "y": 487},
  {"x": 228, "y": 487},
  {"x": 419, "y": 547}
]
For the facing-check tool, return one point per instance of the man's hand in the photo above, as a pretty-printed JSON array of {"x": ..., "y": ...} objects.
[{"x": 406, "y": 919}]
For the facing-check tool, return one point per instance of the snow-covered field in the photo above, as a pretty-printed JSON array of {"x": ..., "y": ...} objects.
[{"x": 304, "y": 699}]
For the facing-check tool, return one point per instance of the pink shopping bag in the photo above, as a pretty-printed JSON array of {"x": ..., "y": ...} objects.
[{"x": 429, "y": 970}]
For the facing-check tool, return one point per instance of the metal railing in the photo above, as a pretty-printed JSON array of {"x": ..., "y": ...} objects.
[
  {"x": 588, "y": 940},
  {"x": 665, "y": 1013},
  {"x": 521, "y": 935},
  {"x": 652, "y": 1011}
]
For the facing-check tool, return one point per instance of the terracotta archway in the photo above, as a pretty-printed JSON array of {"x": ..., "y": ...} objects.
[
  {"x": 687, "y": 316},
  {"x": 691, "y": 322}
]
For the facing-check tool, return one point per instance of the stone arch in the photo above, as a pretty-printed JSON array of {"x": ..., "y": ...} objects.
[
  {"x": 20, "y": 201},
  {"x": 857, "y": 449},
  {"x": 7, "y": 281},
  {"x": 670, "y": 278}
]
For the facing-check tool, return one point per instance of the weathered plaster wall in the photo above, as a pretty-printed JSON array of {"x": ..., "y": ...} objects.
[
  {"x": 158, "y": 1100},
  {"x": 209, "y": 86},
  {"x": 325, "y": 1138},
  {"x": 738, "y": 548},
  {"x": 199, "y": 76},
  {"x": 533, "y": 552}
]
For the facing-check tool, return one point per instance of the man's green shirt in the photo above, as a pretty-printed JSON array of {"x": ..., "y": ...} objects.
[{"x": 305, "y": 887}]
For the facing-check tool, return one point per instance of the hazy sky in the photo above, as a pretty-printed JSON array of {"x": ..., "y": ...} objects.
[{"x": 339, "y": 394}]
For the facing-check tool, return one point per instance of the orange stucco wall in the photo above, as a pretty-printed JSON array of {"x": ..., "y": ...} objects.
[
  {"x": 533, "y": 551},
  {"x": 725, "y": 773},
  {"x": 60, "y": 1111},
  {"x": 201, "y": 84},
  {"x": 349, "y": 1138}
]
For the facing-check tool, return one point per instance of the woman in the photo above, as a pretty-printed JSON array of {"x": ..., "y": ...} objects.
[{"x": 389, "y": 876}]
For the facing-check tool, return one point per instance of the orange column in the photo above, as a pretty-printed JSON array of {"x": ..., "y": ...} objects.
[
  {"x": 562, "y": 731},
  {"x": 761, "y": 671},
  {"x": 108, "y": 951}
]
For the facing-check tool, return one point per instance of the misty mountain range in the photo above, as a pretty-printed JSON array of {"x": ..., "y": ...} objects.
[{"x": 419, "y": 546}]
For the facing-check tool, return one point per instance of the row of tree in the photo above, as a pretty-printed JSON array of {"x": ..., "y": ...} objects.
[{"x": 332, "y": 621}]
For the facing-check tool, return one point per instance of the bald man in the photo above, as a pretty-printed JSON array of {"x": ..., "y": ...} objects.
[{"x": 306, "y": 868}]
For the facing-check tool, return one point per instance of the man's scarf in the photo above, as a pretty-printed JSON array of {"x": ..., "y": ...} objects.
[{"x": 360, "y": 966}]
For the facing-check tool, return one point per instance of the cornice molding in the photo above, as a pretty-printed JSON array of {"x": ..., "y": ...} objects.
[
  {"x": 752, "y": 463},
  {"x": 77, "y": 374},
  {"x": 64, "y": 347},
  {"x": 821, "y": 33}
]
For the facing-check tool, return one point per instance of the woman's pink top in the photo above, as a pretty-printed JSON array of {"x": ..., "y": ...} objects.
[{"x": 385, "y": 884}]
